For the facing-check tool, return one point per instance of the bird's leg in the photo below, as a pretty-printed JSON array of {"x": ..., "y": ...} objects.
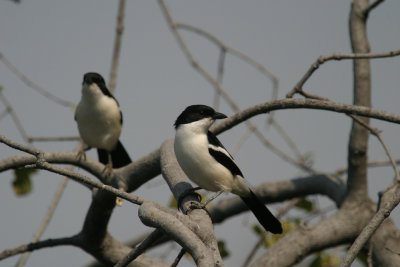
[
  {"x": 81, "y": 151},
  {"x": 212, "y": 198},
  {"x": 109, "y": 166}
]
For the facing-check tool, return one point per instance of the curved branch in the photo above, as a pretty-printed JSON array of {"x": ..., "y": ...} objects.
[
  {"x": 73, "y": 240},
  {"x": 322, "y": 59},
  {"x": 340, "y": 228},
  {"x": 304, "y": 104}
]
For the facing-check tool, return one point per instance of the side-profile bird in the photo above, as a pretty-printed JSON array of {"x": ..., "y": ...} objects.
[
  {"x": 208, "y": 164},
  {"x": 99, "y": 120}
]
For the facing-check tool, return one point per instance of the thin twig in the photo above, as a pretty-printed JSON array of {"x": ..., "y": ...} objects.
[
  {"x": 380, "y": 163},
  {"x": 372, "y": 6},
  {"x": 292, "y": 145},
  {"x": 73, "y": 240},
  {"x": 35, "y": 86},
  {"x": 237, "y": 53},
  {"x": 371, "y": 227},
  {"x": 53, "y": 139},
  {"x": 219, "y": 88},
  {"x": 369, "y": 256},
  {"x": 376, "y": 133},
  {"x": 178, "y": 257},
  {"x": 227, "y": 49},
  {"x": 220, "y": 75},
  {"x": 14, "y": 116},
  {"x": 263, "y": 235},
  {"x": 57, "y": 196},
  {"x": 135, "y": 252},
  {"x": 298, "y": 88},
  {"x": 117, "y": 46},
  {"x": 42, "y": 164},
  {"x": 242, "y": 139}
]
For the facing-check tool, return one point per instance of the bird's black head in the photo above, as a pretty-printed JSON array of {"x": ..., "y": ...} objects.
[
  {"x": 196, "y": 113},
  {"x": 93, "y": 77}
]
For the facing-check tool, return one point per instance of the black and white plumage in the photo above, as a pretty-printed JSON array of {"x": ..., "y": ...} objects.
[
  {"x": 99, "y": 120},
  {"x": 208, "y": 164}
]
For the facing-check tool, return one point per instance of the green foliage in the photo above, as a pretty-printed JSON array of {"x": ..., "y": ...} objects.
[
  {"x": 173, "y": 203},
  {"x": 22, "y": 184},
  {"x": 269, "y": 240},
  {"x": 305, "y": 204},
  {"x": 324, "y": 259},
  {"x": 362, "y": 258},
  {"x": 287, "y": 226},
  {"x": 224, "y": 252}
]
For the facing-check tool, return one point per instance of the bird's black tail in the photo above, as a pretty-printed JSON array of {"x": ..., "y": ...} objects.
[
  {"x": 119, "y": 156},
  {"x": 262, "y": 213}
]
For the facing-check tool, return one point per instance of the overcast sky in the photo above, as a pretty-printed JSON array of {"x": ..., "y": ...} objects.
[{"x": 55, "y": 42}]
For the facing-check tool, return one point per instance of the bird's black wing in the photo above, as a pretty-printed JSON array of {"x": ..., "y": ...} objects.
[
  {"x": 220, "y": 154},
  {"x": 262, "y": 213}
]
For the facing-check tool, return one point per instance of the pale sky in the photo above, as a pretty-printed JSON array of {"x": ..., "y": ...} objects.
[{"x": 55, "y": 42}]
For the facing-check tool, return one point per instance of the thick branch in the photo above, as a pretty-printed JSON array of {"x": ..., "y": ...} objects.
[
  {"x": 304, "y": 104},
  {"x": 151, "y": 216},
  {"x": 358, "y": 143},
  {"x": 340, "y": 228}
]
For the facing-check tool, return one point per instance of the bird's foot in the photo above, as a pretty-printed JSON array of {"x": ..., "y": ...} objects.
[
  {"x": 81, "y": 155},
  {"x": 193, "y": 204},
  {"x": 108, "y": 169}
]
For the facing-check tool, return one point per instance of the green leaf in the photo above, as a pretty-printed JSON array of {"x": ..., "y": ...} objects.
[
  {"x": 173, "y": 203},
  {"x": 362, "y": 258},
  {"x": 305, "y": 204},
  {"x": 22, "y": 184},
  {"x": 1, "y": 87},
  {"x": 324, "y": 259},
  {"x": 287, "y": 226},
  {"x": 257, "y": 229},
  {"x": 223, "y": 249}
]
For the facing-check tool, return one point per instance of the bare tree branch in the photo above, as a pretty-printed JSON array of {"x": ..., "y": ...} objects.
[
  {"x": 372, "y": 6},
  {"x": 298, "y": 88},
  {"x": 73, "y": 240},
  {"x": 54, "y": 203},
  {"x": 156, "y": 234},
  {"x": 380, "y": 163},
  {"x": 117, "y": 46},
  {"x": 41, "y": 163},
  {"x": 384, "y": 145},
  {"x": 10, "y": 110},
  {"x": 33, "y": 85},
  {"x": 222, "y": 91},
  {"x": 304, "y": 103},
  {"x": 154, "y": 217},
  {"x": 372, "y": 226}
]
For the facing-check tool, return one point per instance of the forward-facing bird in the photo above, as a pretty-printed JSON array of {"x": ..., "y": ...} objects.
[
  {"x": 99, "y": 120},
  {"x": 208, "y": 164}
]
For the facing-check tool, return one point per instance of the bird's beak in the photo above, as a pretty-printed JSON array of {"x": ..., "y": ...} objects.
[{"x": 218, "y": 115}]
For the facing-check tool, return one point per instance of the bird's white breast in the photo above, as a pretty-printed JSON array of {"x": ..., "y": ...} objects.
[
  {"x": 99, "y": 119},
  {"x": 191, "y": 150}
]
